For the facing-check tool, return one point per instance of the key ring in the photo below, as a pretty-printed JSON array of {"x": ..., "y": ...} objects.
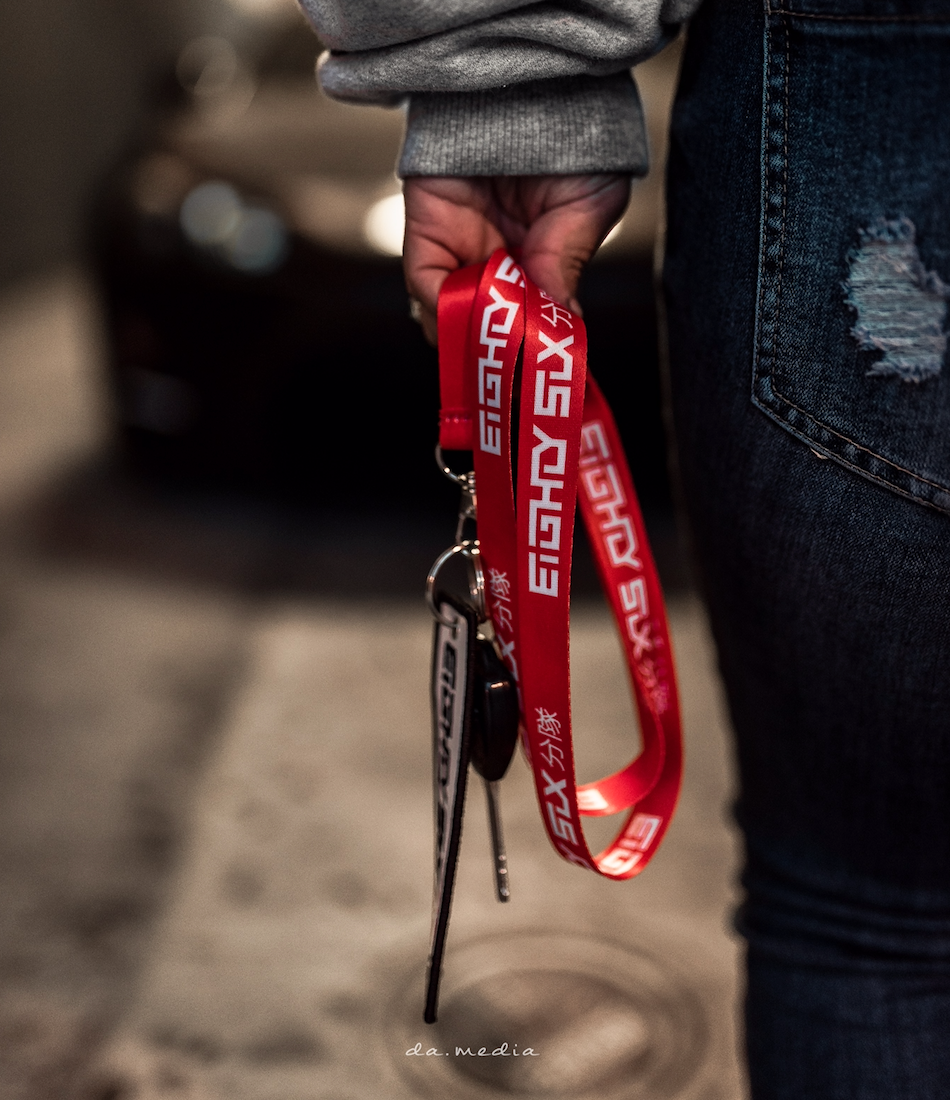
[
  {"x": 466, "y": 546},
  {"x": 476, "y": 584},
  {"x": 462, "y": 480}
]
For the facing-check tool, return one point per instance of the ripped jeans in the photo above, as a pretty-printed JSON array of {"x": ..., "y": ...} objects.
[{"x": 808, "y": 257}]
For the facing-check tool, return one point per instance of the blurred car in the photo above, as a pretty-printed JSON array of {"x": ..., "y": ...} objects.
[{"x": 258, "y": 326}]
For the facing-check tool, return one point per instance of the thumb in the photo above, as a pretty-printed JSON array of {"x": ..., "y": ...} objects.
[
  {"x": 559, "y": 245},
  {"x": 556, "y": 274},
  {"x": 568, "y": 230}
]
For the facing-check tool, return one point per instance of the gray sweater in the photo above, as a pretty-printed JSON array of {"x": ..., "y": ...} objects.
[{"x": 500, "y": 87}]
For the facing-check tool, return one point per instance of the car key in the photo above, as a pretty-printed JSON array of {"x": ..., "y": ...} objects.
[
  {"x": 453, "y": 679},
  {"x": 494, "y": 736}
]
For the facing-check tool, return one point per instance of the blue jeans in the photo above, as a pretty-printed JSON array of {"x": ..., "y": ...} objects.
[{"x": 808, "y": 254}]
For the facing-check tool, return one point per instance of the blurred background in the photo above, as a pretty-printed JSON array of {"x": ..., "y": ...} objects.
[
  {"x": 242, "y": 234},
  {"x": 212, "y": 646}
]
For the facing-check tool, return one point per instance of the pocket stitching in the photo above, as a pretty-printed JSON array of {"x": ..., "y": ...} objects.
[
  {"x": 763, "y": 375},
  {"x": 858, "y": 446},
  {"x": 858, "y": 18}
]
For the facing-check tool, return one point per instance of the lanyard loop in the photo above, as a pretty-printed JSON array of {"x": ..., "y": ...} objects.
[{"x": 569, "y": 455}]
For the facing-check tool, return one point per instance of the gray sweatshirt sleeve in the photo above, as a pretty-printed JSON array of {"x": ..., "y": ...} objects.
[{"x": 500, "y": 87}]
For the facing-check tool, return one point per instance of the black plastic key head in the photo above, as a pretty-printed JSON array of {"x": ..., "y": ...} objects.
[{"x": 494, "y": 714}]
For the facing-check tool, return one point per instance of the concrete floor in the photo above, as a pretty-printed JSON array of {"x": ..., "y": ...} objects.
[{"x": 215, "y": 823}]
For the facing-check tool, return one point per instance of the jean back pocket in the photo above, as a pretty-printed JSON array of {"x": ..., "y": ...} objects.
[{"x": 854, "y": 261}]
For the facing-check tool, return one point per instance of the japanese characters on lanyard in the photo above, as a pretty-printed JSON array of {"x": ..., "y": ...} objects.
[{"x": 568, "y": 452}]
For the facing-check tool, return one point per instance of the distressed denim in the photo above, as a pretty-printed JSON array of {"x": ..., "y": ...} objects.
[{"x": 806, "y": 272}]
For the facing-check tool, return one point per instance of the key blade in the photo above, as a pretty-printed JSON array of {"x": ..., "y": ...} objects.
[{"x": 499, "y": 855}]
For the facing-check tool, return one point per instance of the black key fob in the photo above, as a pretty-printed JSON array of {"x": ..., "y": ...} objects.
[
  {"x": 494, "y": 714},
  {"x": 453, "y": 676}
]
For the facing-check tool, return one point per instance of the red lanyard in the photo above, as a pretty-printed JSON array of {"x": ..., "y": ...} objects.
[{"x": 568, "y": 452}]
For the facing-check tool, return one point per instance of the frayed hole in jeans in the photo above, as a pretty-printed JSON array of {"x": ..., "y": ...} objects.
[{"x": 900, "y": 305}]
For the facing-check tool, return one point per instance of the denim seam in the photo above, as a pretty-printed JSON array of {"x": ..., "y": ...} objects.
[
  {"x": 784, "y": 213},
  {"x": 773, "y": 219},
  {"x": 811, "y": 442},
  {"x": 766, "y": 336},
  {"x": 858, "y": 447},
  {"x": 859, "y": 18},
  {"x": 763, "y": 204},
  {"x": 773, "y": 227}
]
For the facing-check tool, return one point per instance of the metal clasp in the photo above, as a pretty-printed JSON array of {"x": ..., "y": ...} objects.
[{"x": 466, "y": 544}]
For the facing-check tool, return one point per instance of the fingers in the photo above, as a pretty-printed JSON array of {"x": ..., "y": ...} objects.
[
  {"x": 447, "y": 227},
  {"x": 556, "y": 223}
]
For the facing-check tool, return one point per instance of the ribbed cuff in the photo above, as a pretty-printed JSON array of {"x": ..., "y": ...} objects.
[{"x": 543, "y": 127}]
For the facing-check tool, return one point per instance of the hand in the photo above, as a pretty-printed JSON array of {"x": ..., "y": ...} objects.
[{"x": 553, "y": 225}]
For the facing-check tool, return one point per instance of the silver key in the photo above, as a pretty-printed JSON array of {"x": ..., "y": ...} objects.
[{"x": 497, "y": 841}]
